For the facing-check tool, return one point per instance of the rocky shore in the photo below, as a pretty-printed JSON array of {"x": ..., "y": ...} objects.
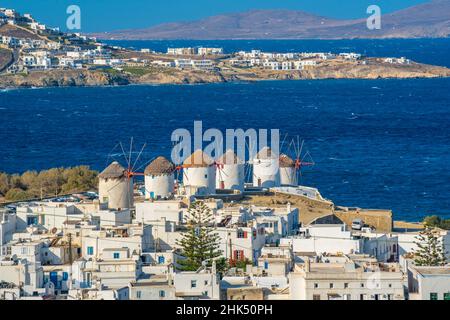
[{"x": 153, "y": 75}]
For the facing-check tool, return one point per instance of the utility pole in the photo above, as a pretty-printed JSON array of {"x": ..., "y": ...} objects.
[{"x": 231, "y": 249}]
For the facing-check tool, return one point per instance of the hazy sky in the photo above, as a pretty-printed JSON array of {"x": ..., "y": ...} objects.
[{"x": 106, "y": 15}]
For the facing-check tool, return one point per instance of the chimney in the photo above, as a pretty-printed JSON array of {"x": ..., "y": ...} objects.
[{"x": 307, "y": 265}]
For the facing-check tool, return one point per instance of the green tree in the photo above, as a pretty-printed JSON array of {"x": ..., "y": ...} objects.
[
  {"x": 201, "y": 242},
  {"x": 4, "y": 183},
  {"x": 17, "y": 194},
  {"x": 437, "y": 222},
  {"x": 80, "y": 178},
  {"x": 430, "y": 249}
]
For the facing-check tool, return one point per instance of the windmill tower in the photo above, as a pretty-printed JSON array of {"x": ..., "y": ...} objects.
[
  {"x": 115, "y": 187},
  {"x": 116, "y": 184},
  {"x": 159, "y": 179},
  {"x": 266, "y": 173},
  {"x": 288, "y": 172},
  {"x": 199, "y": 174},
  {"x": 291, "y": 170},
  {"x": 230, "y": 172}
]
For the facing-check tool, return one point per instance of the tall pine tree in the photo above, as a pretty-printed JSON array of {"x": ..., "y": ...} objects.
[
  {"x": 430, "y": 250},
  {"x": 200, "y": 243}
]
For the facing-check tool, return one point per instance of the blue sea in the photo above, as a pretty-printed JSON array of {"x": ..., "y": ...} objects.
[{"x": 375, "y": 143}]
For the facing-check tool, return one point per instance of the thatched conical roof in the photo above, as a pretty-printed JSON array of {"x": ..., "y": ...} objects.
[
  {"x": 198, "y": 160},
  {"x": 229, "y": 157},
  {"x": 113, "y": 171},
  {"x": 159, "y": 166},
  {"x": 266, "y": 153},
  {"x": 286, "y": 161}
]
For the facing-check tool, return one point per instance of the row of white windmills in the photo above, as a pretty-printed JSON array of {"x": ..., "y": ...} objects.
[{"x": 201, "y": 176}]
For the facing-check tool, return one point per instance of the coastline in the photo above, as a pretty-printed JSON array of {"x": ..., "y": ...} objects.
[{"x": 160, "y": 76}]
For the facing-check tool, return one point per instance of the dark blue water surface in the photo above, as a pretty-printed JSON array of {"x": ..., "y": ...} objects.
[{"x": 376, "y": 143}]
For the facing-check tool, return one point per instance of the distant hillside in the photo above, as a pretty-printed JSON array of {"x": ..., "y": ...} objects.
[
  {"x": 18, "y": 32},
  {"x": 431, "y": 19},
  {"x": 6, "y": 57}
]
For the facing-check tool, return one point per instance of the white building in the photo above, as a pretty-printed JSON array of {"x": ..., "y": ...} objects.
[
  {"x": 48, "y": 215},
  {"x": 157, "y": 287},
  {"x": 240, "y": 242},
  {"x": 203, "y": 51},
  {"x": 7, "y": 229},
  {"x": 429, "y": 283},
  {"x": 337, "y": 239},
  {"x": 277, "y": 222},
  {"x": 169, "y": 210},
  {"x": 201, "y": 284},
  {"x": 342, "y": 278}
]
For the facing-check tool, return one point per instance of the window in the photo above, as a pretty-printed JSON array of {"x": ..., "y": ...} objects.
[
  {"x": 241, "y": 234},
  {"x": 390, "y": 296},
  {"x": 346, "y": 285},
  {"x": 331, "y": 286},
  {"x": 447, "y": 296},
  {"x": 238, "y": 254},
  {"x": 206, "y": 282},
  {"x": 362, "y": 285},
  {"x": 138, "y": 294},
  {"x": 390, "y": 285},
  {"x": 433, "y": 296},
  {"x": 161, "y": 259},
  {"x": 266, "y": 265},
  {"x": 162, "y": 293},
  {"x": 193, "y": 283},
  {"x": 90, "y": 251},
  {"x": 65, "y": 276},
  {"x": 116, "y": 255},
  {"x": 206, "y": 176},
  {"x": 362, "y": 297},
  {"x": 316, "y": 285},
  {"x": 316, "y": 296}
]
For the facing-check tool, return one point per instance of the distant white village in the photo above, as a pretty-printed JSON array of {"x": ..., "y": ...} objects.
[
  {"x": 39, "y": 47},
  {"x": 122, "y": 243}
]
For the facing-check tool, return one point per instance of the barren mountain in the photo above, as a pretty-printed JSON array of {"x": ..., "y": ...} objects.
[{"x": 431, "y": 19}]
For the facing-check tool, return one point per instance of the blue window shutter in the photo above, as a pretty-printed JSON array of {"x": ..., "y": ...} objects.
[{"x": 65, "y": 276}]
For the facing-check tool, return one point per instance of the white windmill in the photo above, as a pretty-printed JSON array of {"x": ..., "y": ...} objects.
[
  {"x": 230, "y": 172},
  {"x": 199, "y": 174}
]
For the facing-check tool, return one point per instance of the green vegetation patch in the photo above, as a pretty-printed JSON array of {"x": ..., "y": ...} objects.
[{"x": 33, "y": 184}]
